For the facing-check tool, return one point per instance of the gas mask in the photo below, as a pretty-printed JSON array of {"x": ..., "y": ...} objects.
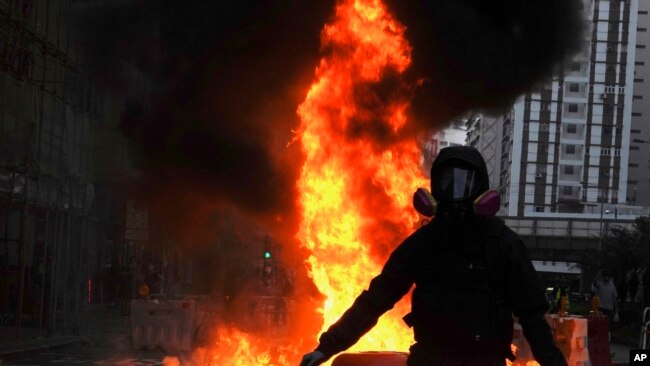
[{"x": 456, "y": 192}]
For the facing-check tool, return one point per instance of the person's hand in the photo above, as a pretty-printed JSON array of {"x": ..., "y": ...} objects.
[{"x": 312, "y": 359}]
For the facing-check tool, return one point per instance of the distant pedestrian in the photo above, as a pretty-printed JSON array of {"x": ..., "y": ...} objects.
[{"x": 604, "y": 287}]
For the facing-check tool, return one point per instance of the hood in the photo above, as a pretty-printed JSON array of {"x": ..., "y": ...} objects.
[{"x": 464, "y": 155}]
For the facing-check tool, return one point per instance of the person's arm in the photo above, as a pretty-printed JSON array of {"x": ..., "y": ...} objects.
[
  {"x": 384, "y": 291},
  {"x": 527, "y": 300}
]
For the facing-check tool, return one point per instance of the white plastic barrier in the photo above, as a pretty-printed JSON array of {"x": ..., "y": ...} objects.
[
  {"x": 169, "y": 325},
  {"x": 570, "y": 335}
]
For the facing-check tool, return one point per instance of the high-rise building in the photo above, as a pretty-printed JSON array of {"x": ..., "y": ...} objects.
[
  {"x": 638, "y": 181},
  {"x": 573, "y": 131}
]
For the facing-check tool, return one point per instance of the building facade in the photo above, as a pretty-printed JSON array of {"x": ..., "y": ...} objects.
[
  {"x": 638, "y": 183},
  {"x": 574, "y": 130},
  {"x": 59, "y": 230}
]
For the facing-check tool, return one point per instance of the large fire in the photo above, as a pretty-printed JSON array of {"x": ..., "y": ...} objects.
[
  {"x": 347, "y": 187},
  {"x": 354, "y": 189}
]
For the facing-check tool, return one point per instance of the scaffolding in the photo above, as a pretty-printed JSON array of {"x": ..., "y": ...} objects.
[{"x": 52, "y": 244}]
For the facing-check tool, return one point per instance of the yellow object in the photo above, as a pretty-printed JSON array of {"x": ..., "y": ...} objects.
[
  {"x": 564, "y": 306},
  {"x": 595, "y": 306},
  {"x": 563, "y": 303}
]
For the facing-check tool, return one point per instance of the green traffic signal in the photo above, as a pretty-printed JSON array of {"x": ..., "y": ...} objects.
[{"x": 267, "y": 254}]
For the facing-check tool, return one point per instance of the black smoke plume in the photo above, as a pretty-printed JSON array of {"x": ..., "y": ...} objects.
[
  {"x": 210, "y": 89},
  {"x": 480, "y": 54},
  {"x": 212, "y": 86}
]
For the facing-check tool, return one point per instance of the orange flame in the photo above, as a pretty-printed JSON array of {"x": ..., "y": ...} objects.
[
  {"x": 355, "y": 197},
  {"x": 341, "y": 175}
]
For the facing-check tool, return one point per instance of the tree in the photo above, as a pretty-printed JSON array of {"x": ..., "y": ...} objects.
[{"x": 625, "y": 250}]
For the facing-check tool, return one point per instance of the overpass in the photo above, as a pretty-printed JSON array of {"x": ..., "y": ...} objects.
[
  {"x": 554, "y": 242},
  {"x": 562, "y": 239}
]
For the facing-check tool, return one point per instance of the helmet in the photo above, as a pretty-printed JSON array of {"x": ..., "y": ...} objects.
[{"x": 459, "y": 186}]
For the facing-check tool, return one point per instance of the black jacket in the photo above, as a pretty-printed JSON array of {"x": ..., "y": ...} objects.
[
  {"x": 406, "y": 266},
  {"x": 438, "y": 255}
]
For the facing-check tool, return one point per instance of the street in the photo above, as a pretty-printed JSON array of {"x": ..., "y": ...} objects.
[
  {"x": 107, "y": 342},
  {"x": 91, "y": 355}
]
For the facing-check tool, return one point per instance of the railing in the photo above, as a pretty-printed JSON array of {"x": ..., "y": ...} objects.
[{"x": 562, "y": 227}]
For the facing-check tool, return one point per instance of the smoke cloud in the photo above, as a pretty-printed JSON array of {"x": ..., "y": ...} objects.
[
  {"x": 477, "y": 54},
  {"x": 212, "y": 86},
  {"x": 211, "y": 89}
]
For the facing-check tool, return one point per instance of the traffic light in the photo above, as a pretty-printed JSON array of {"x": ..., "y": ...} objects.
[{"x": 267, "y": 269}]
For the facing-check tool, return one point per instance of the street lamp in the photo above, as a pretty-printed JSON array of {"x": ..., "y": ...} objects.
[
  {"x": 586, "y": 185},
  {"x": 607, "y": 212}
]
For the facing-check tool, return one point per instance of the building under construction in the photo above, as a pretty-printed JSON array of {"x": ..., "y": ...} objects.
[{"x": 58, "y": 225}]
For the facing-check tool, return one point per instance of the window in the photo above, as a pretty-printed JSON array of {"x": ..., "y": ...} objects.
[
  {"x": 587, "y": 150},
  {"x": 634, "y": 148},
  {"x": 607, "y": 130},
  {"x": 635, "y": 131},
  {"x": 635, "y": 165},
  {"x": 542, "y": 148},
  {"x": 543, "y": 126},
  {"x": 638, "y": 80},
  {"x": 539, "y": 209},
  {"x": 641, "y": 29},
  {"x": 640, "y": 46},
  {"x": 571, "y": 129},
  {"x": 605, "y": 151},
  {"x": 574, "y": 88},
  {"x": 621, "y": 89},
  {"x": 545, "y": 106},
  {"x": 610, "y": 89},
  {"x": 567, "y": 190},
  {"x": 570, "y": 149},
  {"x": 573, "y": 108},
  {"x": 636, "y": 114},
  {"x": 637, "y": 97},
  {"x": 617, "y": 152},
  {"x": 568, "y": 169}
]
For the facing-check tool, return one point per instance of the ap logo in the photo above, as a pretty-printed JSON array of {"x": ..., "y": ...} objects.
[{"x": 639, "y": 357}]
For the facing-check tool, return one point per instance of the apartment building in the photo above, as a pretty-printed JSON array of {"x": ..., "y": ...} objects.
[
  {"x": 638, "y": 182},
  {"x": 573, "y": 131}
]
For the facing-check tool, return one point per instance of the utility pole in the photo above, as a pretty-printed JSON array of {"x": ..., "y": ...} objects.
[{"x": 600, "y": 231}]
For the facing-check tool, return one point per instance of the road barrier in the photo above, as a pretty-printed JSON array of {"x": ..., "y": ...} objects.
[{"x": 169, "y": 325}]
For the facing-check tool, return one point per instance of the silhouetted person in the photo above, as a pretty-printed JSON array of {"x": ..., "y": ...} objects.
[{"x": 471, "y": 274}]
